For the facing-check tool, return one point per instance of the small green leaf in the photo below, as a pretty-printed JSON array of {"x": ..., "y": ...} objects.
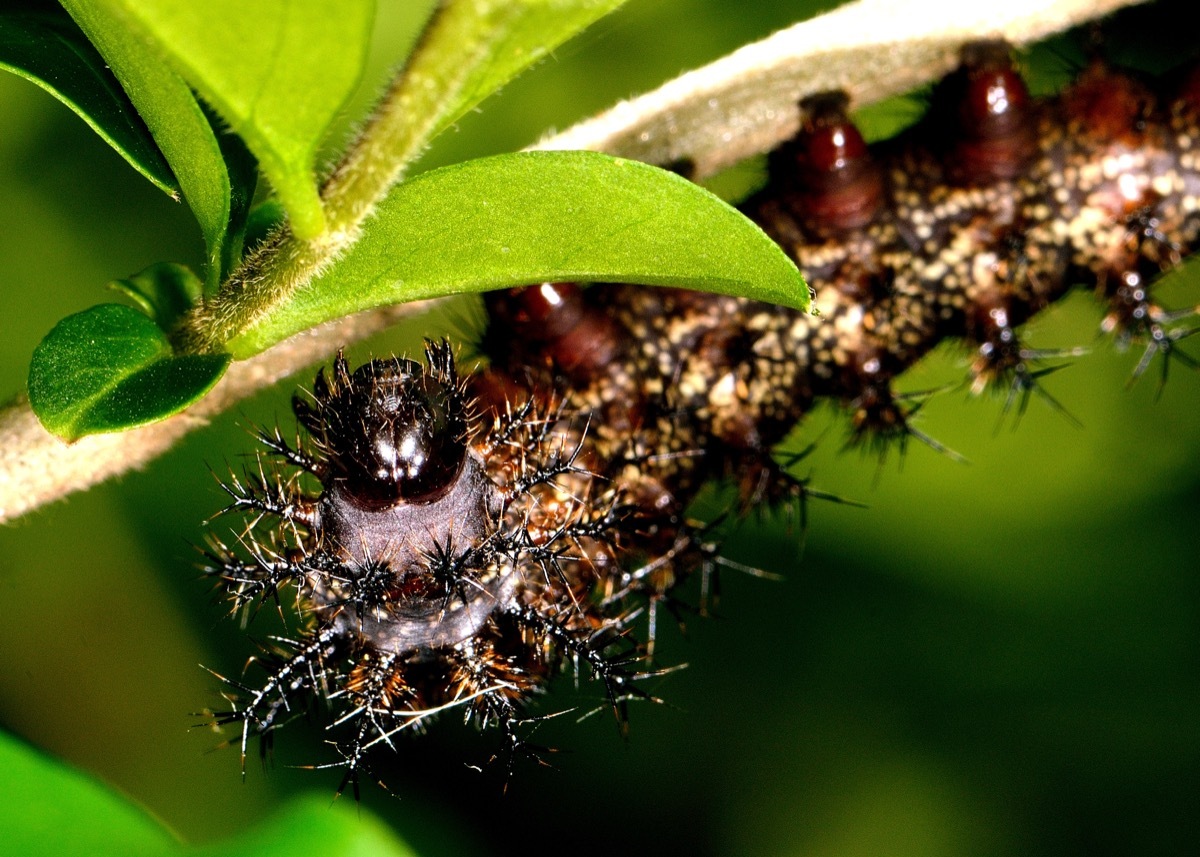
[
  {"x": 277, "y": 70},
  {"x": 471, "y": 49},
  {"x": 51, "y": 51},
  {"x": 111, "y": 368},
  {"x": 175, "y": 119},
  {"x": 530, "y": 217},
  {"x": 164, "y": 292}
]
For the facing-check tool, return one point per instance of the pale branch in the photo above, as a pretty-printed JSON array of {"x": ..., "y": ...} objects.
[
  {"x": 736, "y": 107},
  {"x": 37, "y": 468},
  {"x": 748, "y": 102}
]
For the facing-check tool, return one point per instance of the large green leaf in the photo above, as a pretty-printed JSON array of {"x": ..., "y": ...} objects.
[
  {"x": 51, "y": 51},
  {"x": 110, "y": 368},
  {"x": 532, "y": 217},
  {"x": 49, "y": 810},
  {"x": 174, "y": 117},
  {"x": 277, "y": 70}
]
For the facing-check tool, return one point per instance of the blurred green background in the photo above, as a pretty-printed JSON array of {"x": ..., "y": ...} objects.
[{"x": 994, "y": 658}]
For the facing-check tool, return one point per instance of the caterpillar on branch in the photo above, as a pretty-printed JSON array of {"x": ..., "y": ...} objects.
[{"x": 455, "y": 540}]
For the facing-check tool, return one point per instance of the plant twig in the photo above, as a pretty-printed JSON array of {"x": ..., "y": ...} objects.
[
  {"x": 739, "y": 106},
  {"x": 748, "y": 102},
  {"x": 36, "y": 467}
]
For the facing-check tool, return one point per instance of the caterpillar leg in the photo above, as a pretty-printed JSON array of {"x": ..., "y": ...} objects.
[
  {"x": 607, "y": 650},
  {"x": 296, "y": 671}
]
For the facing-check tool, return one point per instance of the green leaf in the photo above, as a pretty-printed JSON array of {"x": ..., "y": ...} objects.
[
  {"x": 471, "y": 49},
  {"x": 310, "y": 825},
  {"x": 164, "y": 292},
  {"x": 50, "y": 51},
  {"x": 111, "y": 368},
  {"x": 170, "y": 110},
  {"x": 531, "y": 217},
  {"x": 277, "y": 70},
  {"x": 49, "y": 809}
]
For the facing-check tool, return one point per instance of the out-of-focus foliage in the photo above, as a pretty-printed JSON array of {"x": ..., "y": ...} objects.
[{"x": 46, "y": 808}]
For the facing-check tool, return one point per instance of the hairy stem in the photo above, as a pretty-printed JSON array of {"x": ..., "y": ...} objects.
[
  {"x": 464, "y": 54},
  {"x": 37, "y": 468}
]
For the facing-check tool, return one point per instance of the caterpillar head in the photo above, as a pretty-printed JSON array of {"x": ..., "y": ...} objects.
[{"x": 393, "y": 432}]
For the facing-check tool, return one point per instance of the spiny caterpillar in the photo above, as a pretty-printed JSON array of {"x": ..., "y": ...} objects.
[
  {"x": 454, "y": 557},
  {"x": 455, "y": 542}
]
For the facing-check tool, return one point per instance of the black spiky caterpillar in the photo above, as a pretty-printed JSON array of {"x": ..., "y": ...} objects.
[
  {"x": 471, "y": 538},
  {"x": 453, "y": 557}
]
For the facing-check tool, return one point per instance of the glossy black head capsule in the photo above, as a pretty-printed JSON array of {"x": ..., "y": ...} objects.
[{"x": 393, "y": 432}]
